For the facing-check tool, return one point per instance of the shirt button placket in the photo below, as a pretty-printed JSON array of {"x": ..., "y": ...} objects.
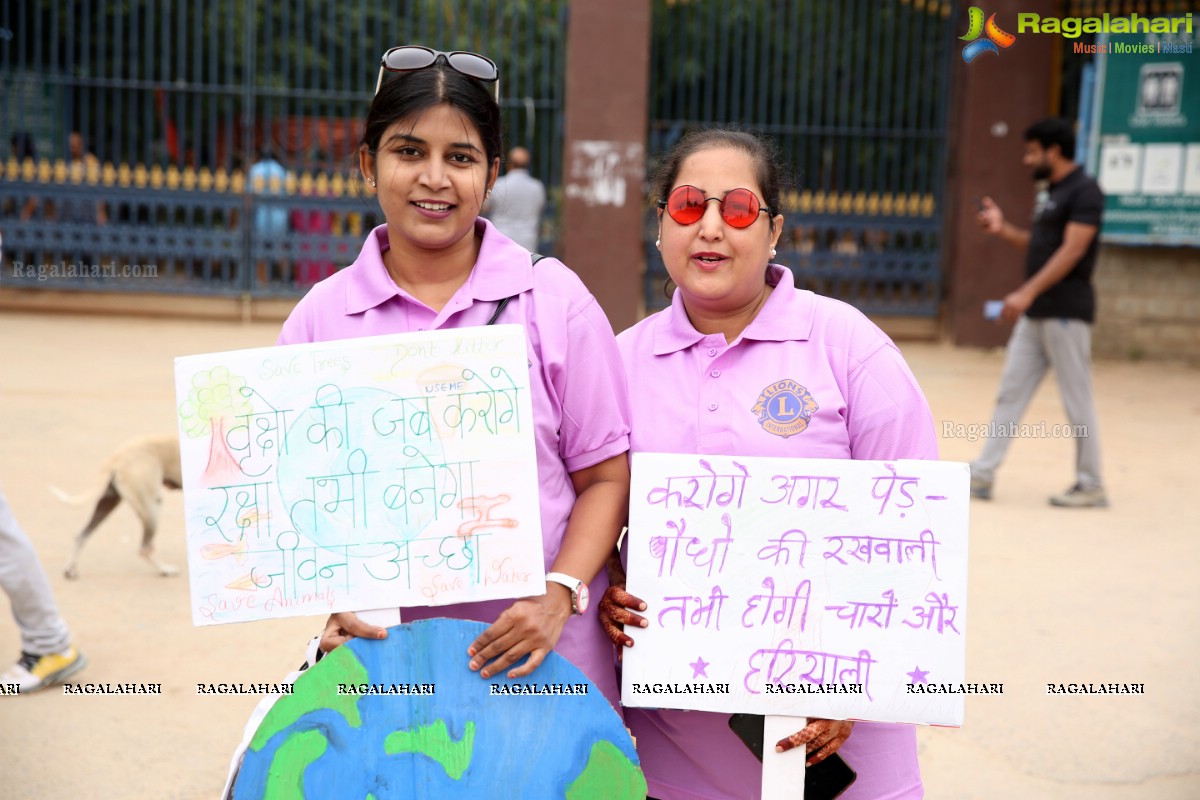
[{"x": 714, "y": 373}]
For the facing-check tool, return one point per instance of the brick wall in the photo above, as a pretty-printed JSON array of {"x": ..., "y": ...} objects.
[{"x": 1149, "y": 303}]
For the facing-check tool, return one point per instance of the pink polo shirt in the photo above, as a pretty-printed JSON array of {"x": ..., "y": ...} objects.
[
  {"x": 693, "y": 393},
  {"x": 580, "y": 408}
]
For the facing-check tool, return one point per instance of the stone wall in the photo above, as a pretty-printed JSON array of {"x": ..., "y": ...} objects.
[{"x": 1149, "y": 303}]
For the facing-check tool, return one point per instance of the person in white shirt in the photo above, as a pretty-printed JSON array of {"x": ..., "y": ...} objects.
[{"x": 516, "y": 202}]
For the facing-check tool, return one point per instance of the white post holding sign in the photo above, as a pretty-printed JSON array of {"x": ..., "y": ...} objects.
[
  {"x": 799, "y": 587},
  {"x": 360, "y": 474}
]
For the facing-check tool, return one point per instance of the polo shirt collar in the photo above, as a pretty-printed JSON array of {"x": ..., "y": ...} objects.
[
  {"x": 787, "y": 315},
  {"x": 503, "y": 269}
]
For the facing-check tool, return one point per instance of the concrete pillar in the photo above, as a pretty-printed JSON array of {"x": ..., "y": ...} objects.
[
  {"x": 996, "y": 98},
  {"x": 604, "y": 159}
]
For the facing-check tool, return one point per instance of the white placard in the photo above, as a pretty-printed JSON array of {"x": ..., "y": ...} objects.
[
  {"x": 1162, "y": 169},
  {"x": 801, "y": 587},
  {"x": 360, "y": 474},
  {"x": 1120, "y": 167}
]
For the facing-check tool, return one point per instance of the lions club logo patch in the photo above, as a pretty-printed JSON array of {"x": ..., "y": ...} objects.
[{"x": 784, "y": 408}]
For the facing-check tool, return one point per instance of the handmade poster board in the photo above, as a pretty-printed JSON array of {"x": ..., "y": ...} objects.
[
  {"x": 405, "y": 718},
  {"x": 365, "y": 473},
  {"x": 799, "y": 587}
]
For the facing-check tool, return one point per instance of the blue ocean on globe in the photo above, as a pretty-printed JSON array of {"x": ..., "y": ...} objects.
[{"x": 439, "y": 731}]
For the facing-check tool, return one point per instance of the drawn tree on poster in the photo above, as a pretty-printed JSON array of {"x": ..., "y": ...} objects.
[{"x": 216, "y": 397}]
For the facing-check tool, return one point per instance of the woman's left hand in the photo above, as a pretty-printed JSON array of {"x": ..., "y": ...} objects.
[
  {"x": 529, "y": 626},
  {"x": 821, "y": 738}
]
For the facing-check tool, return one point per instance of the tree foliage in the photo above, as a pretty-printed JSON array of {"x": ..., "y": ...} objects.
[
  {"x": 853, "y": 91},
  {"x": 222, "y": 61}
]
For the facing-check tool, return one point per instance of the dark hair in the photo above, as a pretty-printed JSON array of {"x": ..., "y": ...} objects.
[
  {"x": 1053, "y": 131},
  {"x": 406, "y": 95},
  {"x": 762, "y": 151},
  {"x": 22, "y": 144}
]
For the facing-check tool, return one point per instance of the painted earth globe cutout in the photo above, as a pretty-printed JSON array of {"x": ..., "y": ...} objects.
[{"x": 461, "y": 741}]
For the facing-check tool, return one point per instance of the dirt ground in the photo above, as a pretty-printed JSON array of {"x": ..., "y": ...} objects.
[{"x": 1057, "y": 596}]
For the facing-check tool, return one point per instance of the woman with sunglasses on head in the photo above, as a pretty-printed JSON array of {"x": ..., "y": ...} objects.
[
  {"x": 430, "y": 149},
  {"x": 736, "y": 327}
]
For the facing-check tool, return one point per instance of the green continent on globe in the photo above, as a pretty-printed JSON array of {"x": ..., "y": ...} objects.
[
  {"x": 291, "y": 707},
  {"x": 609, "y": 773},
  {"x": 285, "y": 779},
  {"x": 434, "y": 741}
]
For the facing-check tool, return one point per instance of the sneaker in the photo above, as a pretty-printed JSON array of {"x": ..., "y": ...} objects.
[
  {"x": 34, "y": 672},
  {"x": 981, "y": 489},
  {"x": 1079, "y": 497}
]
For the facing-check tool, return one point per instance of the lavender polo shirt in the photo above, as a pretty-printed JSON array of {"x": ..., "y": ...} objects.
[
  {"x": 580, "y": 408},
  {"x": 696, "y": 394}
]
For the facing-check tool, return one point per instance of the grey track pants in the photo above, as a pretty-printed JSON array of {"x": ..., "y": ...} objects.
[
  {"x": 1037, "y": 345},
  {"x": 24, "y": 581}
]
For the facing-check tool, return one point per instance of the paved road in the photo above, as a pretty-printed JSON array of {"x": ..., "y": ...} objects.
[{"x": 1057, "y": 596}]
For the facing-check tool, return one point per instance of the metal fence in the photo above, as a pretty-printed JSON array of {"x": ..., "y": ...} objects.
[
  {"x": 856, "y": 93},
  {"x": 173, "y": 103}
]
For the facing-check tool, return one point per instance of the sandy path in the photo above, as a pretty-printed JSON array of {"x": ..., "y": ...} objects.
[{"x": 1056, "y": 595}]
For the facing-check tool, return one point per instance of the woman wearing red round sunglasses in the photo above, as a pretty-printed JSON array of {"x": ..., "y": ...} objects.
[
  {"x": 736, "y": 330},
  {"x": 716, "y": 238}
]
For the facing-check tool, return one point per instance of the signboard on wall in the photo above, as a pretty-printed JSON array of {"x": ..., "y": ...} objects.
[{"x": 1145, "y": 137}]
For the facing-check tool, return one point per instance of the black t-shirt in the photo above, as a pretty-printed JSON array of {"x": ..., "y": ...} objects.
[{"x": 1076, "y": 198}]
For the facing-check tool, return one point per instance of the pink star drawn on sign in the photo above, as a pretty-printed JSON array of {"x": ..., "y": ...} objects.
[
  {"x": 919, "y": 675},
  {"x": 699, "y": 667}
]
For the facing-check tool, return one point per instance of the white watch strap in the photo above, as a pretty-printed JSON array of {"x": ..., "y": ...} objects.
[
  {"x": 573, "y": 586},
  {"x": 565, "y": 580}
]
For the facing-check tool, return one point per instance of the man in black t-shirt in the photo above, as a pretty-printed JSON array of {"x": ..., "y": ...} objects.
[{"x": 1053, "y": 310}]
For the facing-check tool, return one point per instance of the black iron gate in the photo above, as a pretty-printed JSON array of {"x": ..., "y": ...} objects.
[
  {"x": 856, "y": 92},
  {"x": 175, "y": 102}
]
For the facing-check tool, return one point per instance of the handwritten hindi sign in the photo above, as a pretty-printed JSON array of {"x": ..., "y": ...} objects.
[
  {"x": 358, "y": 474},
  {"x": 798, "y": 587}
]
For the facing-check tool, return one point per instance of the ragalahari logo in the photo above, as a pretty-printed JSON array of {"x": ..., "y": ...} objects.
[{"x": 996, "y": 38}]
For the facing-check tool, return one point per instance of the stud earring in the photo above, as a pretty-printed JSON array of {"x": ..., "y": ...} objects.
[
  {"x": 371, "y": 181},
  {"x": 487, "y": 194},
  {"x": 772, "y": 252},
  {"x": 658, "y": 243}
]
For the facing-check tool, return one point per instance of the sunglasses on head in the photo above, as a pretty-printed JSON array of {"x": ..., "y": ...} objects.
[
  {"x": 739, "y": 208},
  {"x": 412, "y": 57}
]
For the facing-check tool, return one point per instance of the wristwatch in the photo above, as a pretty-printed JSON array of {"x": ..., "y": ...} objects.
[{"x": 578, "y": 589}]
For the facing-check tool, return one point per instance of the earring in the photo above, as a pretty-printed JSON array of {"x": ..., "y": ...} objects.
[
  {"x": 371, "y": 181},
  {"x": 658, "y": 243},
  {"x": 487, "y": 194},
  {"x": 772, "y": 252}
]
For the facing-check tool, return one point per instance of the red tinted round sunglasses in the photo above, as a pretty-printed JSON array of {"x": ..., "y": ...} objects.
[{"x": 739, "y": 208}]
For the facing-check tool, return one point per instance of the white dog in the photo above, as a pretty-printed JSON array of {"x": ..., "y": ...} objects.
[{"x": 136, "y": 473}]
